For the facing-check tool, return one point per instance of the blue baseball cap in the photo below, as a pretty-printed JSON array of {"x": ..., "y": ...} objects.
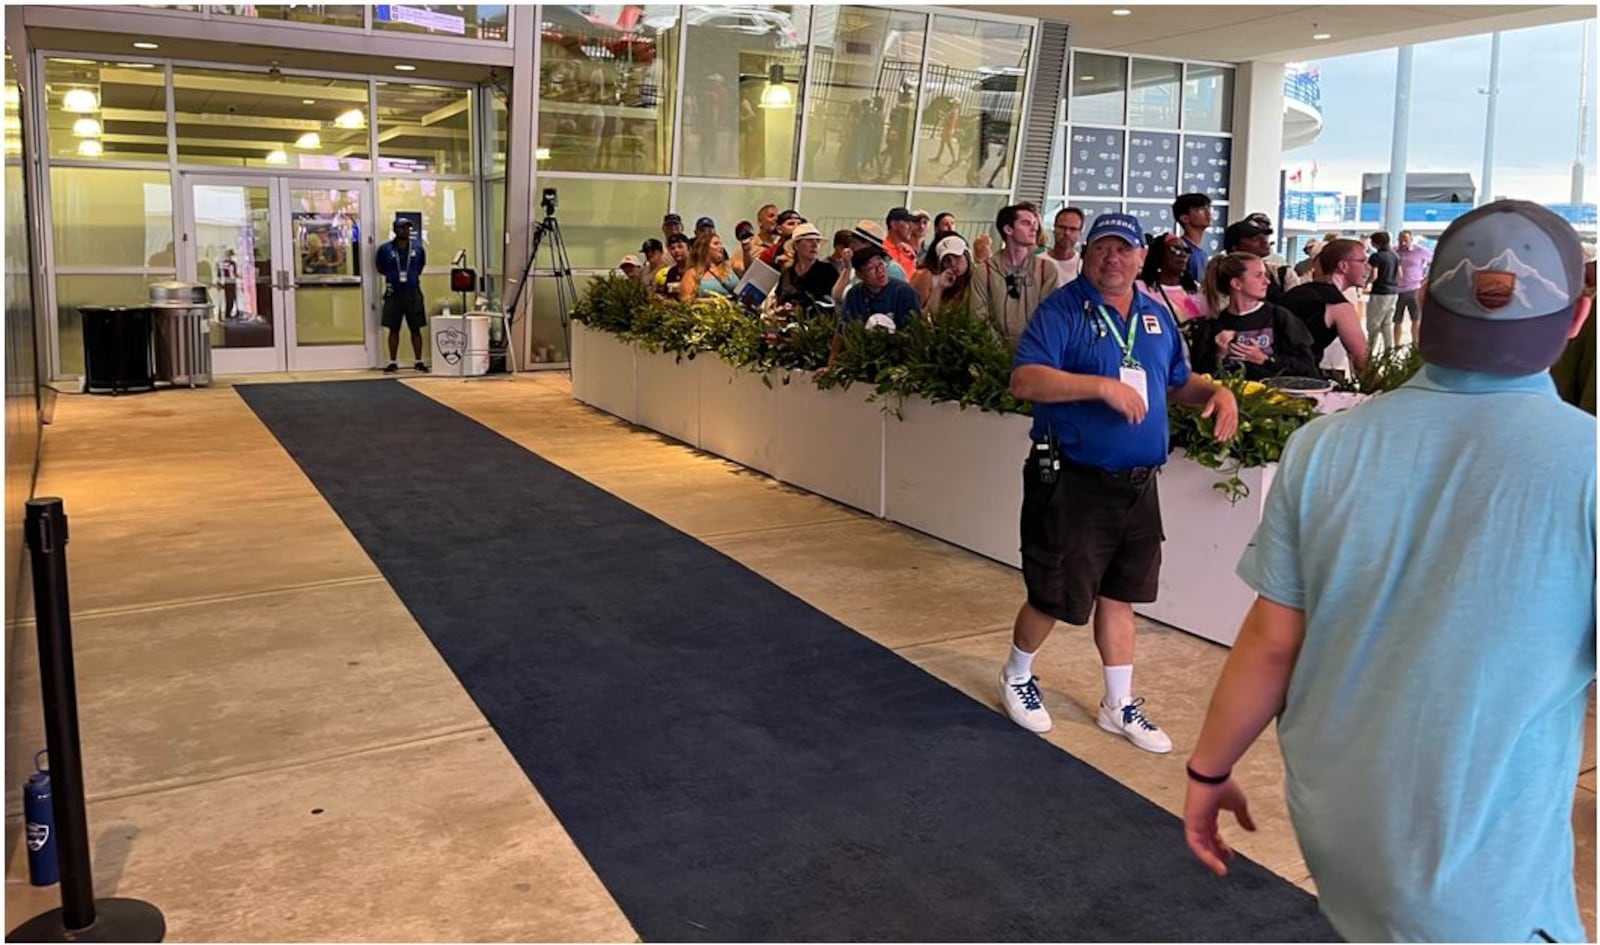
[
  {"x": 706, "y": 223},
  {"x": 1121, "y": 225},
  {"x": 1501, "y": 290}
]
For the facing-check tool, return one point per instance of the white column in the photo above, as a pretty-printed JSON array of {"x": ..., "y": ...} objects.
[{"x": 1257, "y": 139}]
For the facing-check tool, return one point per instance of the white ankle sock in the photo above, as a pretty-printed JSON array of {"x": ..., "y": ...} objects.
[
  {"x": 1019, "y": 668},
  {"x": 1119, "y": 684}
]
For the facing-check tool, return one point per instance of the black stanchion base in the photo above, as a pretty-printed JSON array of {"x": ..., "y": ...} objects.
[{"x": 115, "y": 920}]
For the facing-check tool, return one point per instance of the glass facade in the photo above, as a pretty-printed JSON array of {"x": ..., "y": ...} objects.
[
  {"x": 257, "y": 120},
  {"x": 842, "y": 112},
  {"x": 741, "y": 101},
  {"x": 424, "y": 129},
  {"x": 606, "y": 91}
]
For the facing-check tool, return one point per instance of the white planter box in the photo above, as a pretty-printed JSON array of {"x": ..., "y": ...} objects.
[
  {"x": 668, "y": 393},
  {"x": 1199, "y": 591},
  {"x": 738, "y": 414},
  {"x": 602, "y": 370},
  {"x": 957, "y": 475},
  {"x": 830, "y": 442}
]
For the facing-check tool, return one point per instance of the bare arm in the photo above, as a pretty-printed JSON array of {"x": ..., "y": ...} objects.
[
  {"x": 1046, "y": 385},
  {"x": 1215, "y": 401},
  {"x": 1352, "y": 334},
  {"x": 1252, "y": 689},
  {"x": 923, "y": 281},
  {"x": 689, "y": 284}
]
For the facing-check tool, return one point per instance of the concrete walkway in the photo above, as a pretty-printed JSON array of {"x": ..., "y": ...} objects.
[{"x": 274, "y": 750}]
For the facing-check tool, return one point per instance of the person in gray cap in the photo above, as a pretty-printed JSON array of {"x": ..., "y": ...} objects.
[
  {"x": 1427, "y": 643},
  {"x": 1099, "y": 361}
]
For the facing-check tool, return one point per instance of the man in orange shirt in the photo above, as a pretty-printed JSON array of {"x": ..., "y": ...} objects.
[{"x": 901, "y": 244}]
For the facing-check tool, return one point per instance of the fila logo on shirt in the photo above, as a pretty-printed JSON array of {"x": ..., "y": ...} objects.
[{"x": 1152, "y": 325}]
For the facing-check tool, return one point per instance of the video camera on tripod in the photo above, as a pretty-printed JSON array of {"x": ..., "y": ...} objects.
[{"x": 548, "y": 231}]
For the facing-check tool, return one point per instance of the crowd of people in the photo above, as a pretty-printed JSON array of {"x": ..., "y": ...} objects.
[
  {"x": 1243, "y": 310},
  {"x": 1428, "y": 668}
]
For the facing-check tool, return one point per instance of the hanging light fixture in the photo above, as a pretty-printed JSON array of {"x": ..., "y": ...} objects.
[
  {"x": 351, "y": 119},
  {"x": 776, "y": 94},
  {"x": 90, "y": 147},
  {"x": 277, "y": 156},
  {"x": 80, "y": 100},
  {"x": 86, "y": 128},
  {"x": 310, "y": 141}
]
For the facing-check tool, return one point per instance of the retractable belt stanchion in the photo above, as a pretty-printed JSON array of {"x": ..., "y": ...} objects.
[{"x": 81, "y": 918}]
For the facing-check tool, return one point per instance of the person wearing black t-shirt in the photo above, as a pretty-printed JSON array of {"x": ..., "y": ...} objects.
[
  {"x": 1324, "y": 308},
  {"x": 1249, "y": 333},
  {"x": 806, "y": 280},
  {"x": 1383, "y": 287}
]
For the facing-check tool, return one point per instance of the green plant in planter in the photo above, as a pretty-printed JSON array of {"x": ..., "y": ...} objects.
[
  {"x": 958, "y": 358},
  {"x": 609, "y": 303},
  {"x": 1266, "y": 418},
  {"x": 1389, "y": 370},
  {"x": 868, "y": 356}
]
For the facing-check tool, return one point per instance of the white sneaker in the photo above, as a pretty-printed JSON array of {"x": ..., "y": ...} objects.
[
  {"x": 1024, "y": 703},
  {"x": 1128, "y": 721}
]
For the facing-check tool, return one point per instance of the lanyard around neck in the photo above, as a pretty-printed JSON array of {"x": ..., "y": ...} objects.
[{"x": 1125, "y": 344}]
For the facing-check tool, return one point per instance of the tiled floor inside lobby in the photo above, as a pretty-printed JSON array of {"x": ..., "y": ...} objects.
[{"x": 274, "y": 750}]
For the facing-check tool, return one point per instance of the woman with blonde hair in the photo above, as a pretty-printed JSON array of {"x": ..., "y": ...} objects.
[
  {"x": 1249, "y": 333},
  {"x": 946, "y": 284},
  {"x": 710, "y": 271}
]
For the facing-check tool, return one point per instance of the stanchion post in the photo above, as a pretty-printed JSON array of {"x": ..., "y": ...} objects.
[{"x": 81, "y": 918}]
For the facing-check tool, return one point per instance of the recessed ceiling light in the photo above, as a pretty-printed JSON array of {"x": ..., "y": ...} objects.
[
  {"x": 86, "y": 128},
  {"x": 1321, "y": 35},
  {"x": 350, "y": 119},
  {"x": 277, "y": 156},
  {"x": 136, "y": 65},
  {"x": 1085, "y": 78},
  {"x": 1121, "y": 12},
  {"x": 310, "y": 141},
  {"x": 146, "y": 45},
  {"x": 308, "y": 101},
  {"x": 90, "y": 147},
  {"x": 404, "y": 67}
]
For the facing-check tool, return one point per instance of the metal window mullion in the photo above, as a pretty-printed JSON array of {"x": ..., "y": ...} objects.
[
  {"x": 1022, "y": 114},
  {"x": 47, "y": 233},
  {"x": 809, "y": 82},
  {"x": 675, "y": 154},
  {"x": 922, "y": 104},
  {"x": 372, "y": 133}
]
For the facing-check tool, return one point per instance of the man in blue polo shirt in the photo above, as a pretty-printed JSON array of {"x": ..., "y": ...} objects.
[
  {"x": 1428, "y": 647},
  {"x": 400, "y": 262},
  {"x": 1098, "y": 360}
]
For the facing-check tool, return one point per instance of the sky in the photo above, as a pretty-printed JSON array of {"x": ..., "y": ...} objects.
[{"x": 1536, "y": 133}]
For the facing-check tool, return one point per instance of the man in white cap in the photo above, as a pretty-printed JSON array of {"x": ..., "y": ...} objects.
[
  {"x": 629, "y": 265},
  {"x": 1099, "y": 361},
  {"x": 1428, "y": 647}
]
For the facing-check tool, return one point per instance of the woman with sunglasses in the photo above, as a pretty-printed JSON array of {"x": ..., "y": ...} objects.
[{"x": 1165, "y": 278}]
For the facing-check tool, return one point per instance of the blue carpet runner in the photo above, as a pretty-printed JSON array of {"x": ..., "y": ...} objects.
[{"x": 735, "y": 764}]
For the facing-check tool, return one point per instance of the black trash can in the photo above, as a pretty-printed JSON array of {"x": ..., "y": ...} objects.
[{"x": 116, "y": 349}]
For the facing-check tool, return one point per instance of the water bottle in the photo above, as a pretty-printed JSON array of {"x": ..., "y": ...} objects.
[{"x": 43, "y": 870}]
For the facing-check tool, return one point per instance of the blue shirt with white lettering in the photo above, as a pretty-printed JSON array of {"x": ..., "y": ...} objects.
[
  {"x": 1068, "y": 333},
  {"x": 1441, "y": 542}
]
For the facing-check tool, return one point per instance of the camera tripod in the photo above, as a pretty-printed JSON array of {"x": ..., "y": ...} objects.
[{"x": 560, "y": 266}]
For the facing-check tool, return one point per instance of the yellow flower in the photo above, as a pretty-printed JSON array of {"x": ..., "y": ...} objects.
[{"x": 1254, "y": 387}]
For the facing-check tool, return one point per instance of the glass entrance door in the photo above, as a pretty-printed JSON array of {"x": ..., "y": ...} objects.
[{"x": 284, "y": 260}]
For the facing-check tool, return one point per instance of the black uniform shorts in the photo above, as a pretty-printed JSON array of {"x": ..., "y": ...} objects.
[
  {"x": 1093, "y": 533},
  {"x": 404, "y": 303}
]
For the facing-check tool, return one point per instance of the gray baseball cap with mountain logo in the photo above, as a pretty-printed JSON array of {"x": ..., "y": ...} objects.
[{"x": 1501, "y": 290}]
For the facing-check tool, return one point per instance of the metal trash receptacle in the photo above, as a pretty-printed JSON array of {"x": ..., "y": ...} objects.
[
  {"x": 116, "y": 349},
  {"x": 182, "y": 333}
]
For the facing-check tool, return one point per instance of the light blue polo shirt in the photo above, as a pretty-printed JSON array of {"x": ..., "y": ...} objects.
[
  {"x": 1441, "y": 541},
  {"x": 1066, "y": 333}
]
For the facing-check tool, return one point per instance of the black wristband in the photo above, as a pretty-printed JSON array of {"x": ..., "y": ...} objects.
[{"x": 1206, "y": 778}]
